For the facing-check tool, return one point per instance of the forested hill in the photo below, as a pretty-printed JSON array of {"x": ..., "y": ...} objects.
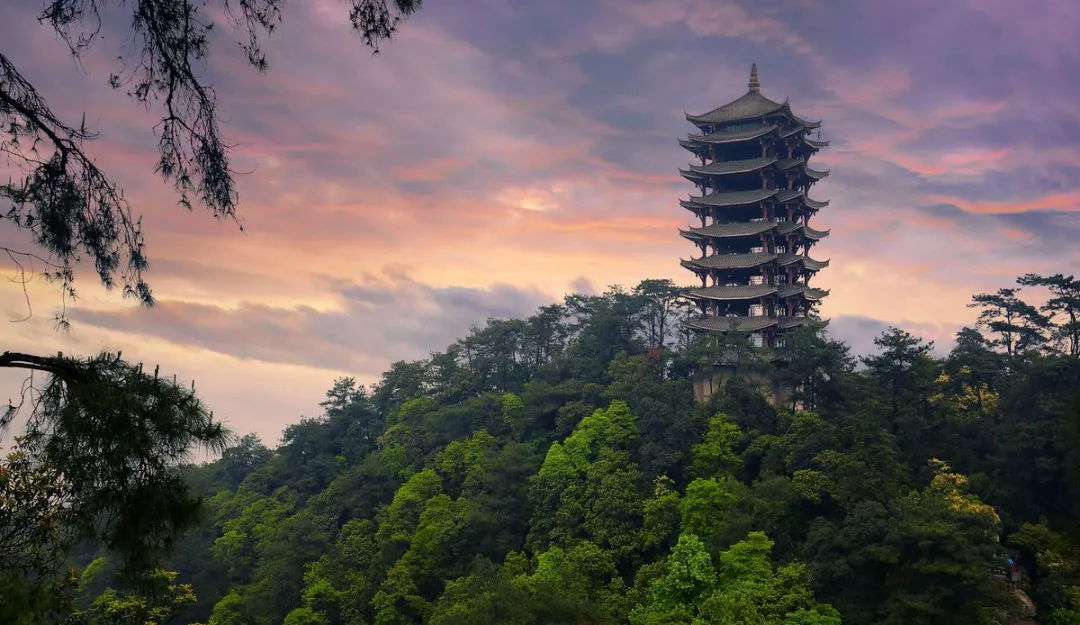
[{"x": 556, "y": 469}]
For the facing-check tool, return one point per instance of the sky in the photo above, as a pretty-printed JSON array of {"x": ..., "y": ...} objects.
[{"x": 499, "y": 154}]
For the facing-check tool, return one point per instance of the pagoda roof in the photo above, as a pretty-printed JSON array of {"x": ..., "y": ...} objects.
[
  {"x": 738, "y": 292},
  {"x": 732, "y": 324},
  {"x": 788, "y": 163},
  {"x": 744, "y": 324},
  {"x": 730, "y": 198},
  {"x": 815, "y": 174},
  {"x": 731, "y": 136},
  {"x": 810, "y": 293},
  {"x": 731, "y": 261},
  {"x": 750, "y": 106},
  {"x": 817, "y": 144},
  {"x": 786, "y": 195},
  {"x": 752, "y": 259},
  {"x": 735, "y": 229},
  {"x": 784, "y": 323},
  {"x": 787, "y": 132},
  {"x": 787, "y": 227},
  {"x": 723, "y": 168},
  {"x": 788, "y": 258},
  {"x": 805, "y": 123}
]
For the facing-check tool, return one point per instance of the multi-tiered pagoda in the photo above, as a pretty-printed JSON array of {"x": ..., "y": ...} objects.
[{"x": 754, "y": 234}]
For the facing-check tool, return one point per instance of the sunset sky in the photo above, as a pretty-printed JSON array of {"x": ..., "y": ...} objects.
[{"x": 499, "y": 154}]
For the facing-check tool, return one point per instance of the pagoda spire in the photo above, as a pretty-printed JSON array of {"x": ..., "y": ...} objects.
[{"x": 755, "y": 86}]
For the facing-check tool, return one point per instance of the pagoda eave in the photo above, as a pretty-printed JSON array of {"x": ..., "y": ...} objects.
[
  {"x": 730, "y": 231},
  {"x": 744, "y": 324},
  {"x": 731, "y": 198},
  {"x": 734, "y": 293},
  {"x": 726, "y": 168},
  {"x": 734, "y": 261},
  {"x": 730, "y": 136}
]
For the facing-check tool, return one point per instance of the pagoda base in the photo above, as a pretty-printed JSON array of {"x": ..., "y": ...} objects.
[{"x": 778, "y": 395}]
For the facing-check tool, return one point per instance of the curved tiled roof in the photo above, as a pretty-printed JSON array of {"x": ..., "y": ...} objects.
[
  {"x": 721, "y": 168},
  {"x": 729, "y": 198},
  {"x": 810, "y": 293},
  {"x": 732, "y": 324},
  {"x": 809, "y": 263},
  {"x": 805, "y": 123},
  {"x": 731, "y": 136},
  {"x": 752, "y": 259},
  {"x": 784, "y": 323},
  {"x": 735, "y": 229},
  {"x": 817, "y": 144},
  {"x": 740, "y": 292},
  {"x": 786, "y": 195},
  {"x": 731, "y": 261},
  {"x": 815, "y": 174},
  {"x": 787, "y": 227},
  {"x": 749, "y": 106},
  {"x": 744, "y": 324},
  {"x": 790, "y": 131}
]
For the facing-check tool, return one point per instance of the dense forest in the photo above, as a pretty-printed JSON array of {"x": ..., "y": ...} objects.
[{"x": 557, "y": 469}]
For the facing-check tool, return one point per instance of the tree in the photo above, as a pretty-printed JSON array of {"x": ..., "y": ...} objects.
[
  {"x": 661, "y": 301},
  {"x": 110, "y": 436},
  {"x": 813, "y": 366},
  {"x": 1019, "y": 324},
  {"x": 1065, "y": 300},
  {"x": 744, "y": 590},
  {"x": 586, "y": 486},
  {"x": 72, "y": 208},
  {"x": 100, "y": 459},
  {"x": 706, "y": 506},
  {"x": 943, "y": 541},
  {"x": 674, "y": 597},
  {"x": 153, "y": 604},
  {"x": 238, "y": 460},
  {"x": 901, "y": 369}
]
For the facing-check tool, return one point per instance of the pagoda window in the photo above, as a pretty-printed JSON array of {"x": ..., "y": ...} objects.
[
  {"x": 758, "y": 279},
  {"x": 757, "y": 339},
  {"x": 757, "y": 249},
  {"x": 780, "y": 249},
  {"x": 757, "y": 310},
  {"x": 781, "y": 311}
]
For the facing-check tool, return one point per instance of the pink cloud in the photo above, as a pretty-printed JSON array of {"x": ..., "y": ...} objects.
[{"x": 1058, "y": 201}]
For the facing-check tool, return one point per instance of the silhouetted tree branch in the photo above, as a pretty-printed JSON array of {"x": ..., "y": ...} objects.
[{"x": 71, "y": 207}]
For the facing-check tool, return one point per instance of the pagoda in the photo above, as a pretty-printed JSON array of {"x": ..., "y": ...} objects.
[{"x": 753, "y": 211}]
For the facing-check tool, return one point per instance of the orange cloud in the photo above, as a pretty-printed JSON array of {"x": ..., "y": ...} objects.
[{"x": 1058, "y": 201}]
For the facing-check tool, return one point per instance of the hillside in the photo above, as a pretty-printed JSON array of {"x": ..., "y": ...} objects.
[{"x": 556, "y": 469}]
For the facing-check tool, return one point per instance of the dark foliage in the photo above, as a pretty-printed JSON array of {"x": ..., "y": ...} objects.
[{"x": 557, "y": 469}]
